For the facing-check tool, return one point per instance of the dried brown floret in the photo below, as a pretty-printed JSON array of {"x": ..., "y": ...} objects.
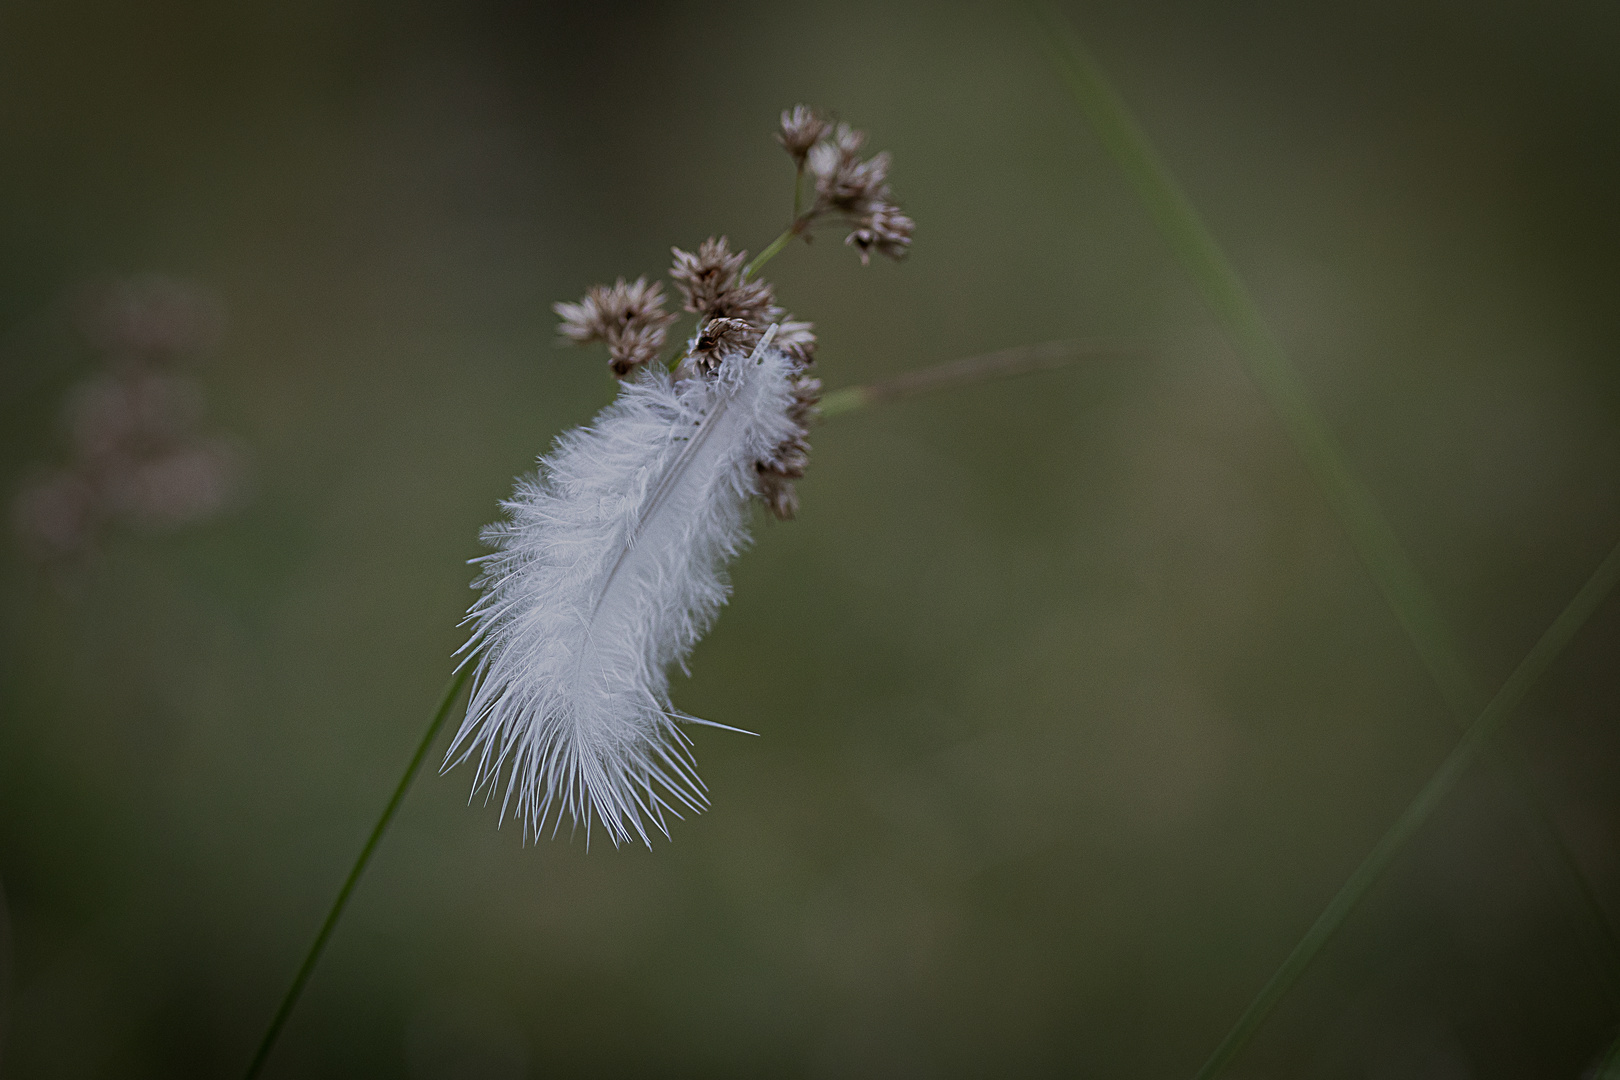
[
  {"x": 843, "y": 181},
  {"x": 718, "y": 339},
  {"x": 797, "y": 339},
  {"x": 801, "y": 129},
  {"x": 886, "y": 229},
  {"x": 774, "y": 475},
  {"x": 806, "y": 394},
  {"x": 777, "y": 493},
  {"x": 630, "y": 319},
  {"x": 149, "y": 319},
  {"x": 711, "y": 283}
]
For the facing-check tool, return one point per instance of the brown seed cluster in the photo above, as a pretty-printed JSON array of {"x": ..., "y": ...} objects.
[
  {"x": 630, "y": 319},
  {"x": 801, "y": 129},
  {"x": 711, "y": 284},
  {"x": 733, "y": 308},
  {"x": 730, "y": 310},
  {"x": 845, "y": 184},
  {"x": 733, "y": 315},
  {"x": 787, "y": 463},
  {"x": 138, "y": 457}
]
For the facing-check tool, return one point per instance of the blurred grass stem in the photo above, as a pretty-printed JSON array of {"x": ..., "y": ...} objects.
[
  {"x": 1501, "y": 707},
  {"x": 1609, "y": 1067},
  {"x": 1028, "y": 358},
  {"x": 1001, "y": 364},
  {"x": 1374, "y": 539},
  {"x": 262, "y": 1054}
]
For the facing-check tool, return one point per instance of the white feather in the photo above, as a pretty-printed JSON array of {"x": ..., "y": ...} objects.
[{"x": 610, "y": 567}]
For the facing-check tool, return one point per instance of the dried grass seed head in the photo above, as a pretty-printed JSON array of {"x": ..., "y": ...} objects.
[
  {"x": 777, "y": 493},
  {"x": 711, "y": 284},
  {"x": 843, "y": 181},
  {"x": 886, "y": 230},
  {"x": 629, "y": 318},
  {"x": 802, "y": 127},
  {"x": 720, "y": 338},
  {"x": 859, "y": 190},
  {"x": 775, "y": 473},
  {"x": 797, "y": 339},
  {"x": 149, "y": 319}
]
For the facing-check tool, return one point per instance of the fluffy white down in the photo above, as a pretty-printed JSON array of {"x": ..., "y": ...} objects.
[{"x": 611, "y": 566}]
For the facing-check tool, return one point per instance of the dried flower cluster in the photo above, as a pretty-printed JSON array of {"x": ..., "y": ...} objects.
[
  {"x": 802, "y": 127},
  {"x": 630, "y": 319},
  {"x": 138, "y": 457},
  {"x": 733, "y": 314},
  {"x": 734, "y": 308},
  {"x": 847, "y": 185},
  {"x": 611, "y": 562}
]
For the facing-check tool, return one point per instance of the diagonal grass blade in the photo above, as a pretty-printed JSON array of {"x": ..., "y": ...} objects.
[
  {"x": 1539, "y": 658},
  {"x": 1375, "y": 541},
  {"x": 318, "y": 946}
]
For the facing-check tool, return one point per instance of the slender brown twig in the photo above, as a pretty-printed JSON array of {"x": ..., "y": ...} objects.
[{"x": 1004, "y": 363}]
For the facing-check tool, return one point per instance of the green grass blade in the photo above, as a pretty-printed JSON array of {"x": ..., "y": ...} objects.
[
  {"x": 1440, "y": 784},
  {"x": 1263, "y": 356},
  {"x": 1371, "y": 535},
  {"x": 1609, "y": 1067},
  {"x": 318, "y": 946}
]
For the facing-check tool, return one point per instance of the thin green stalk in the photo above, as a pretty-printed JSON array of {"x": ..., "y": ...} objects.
[
  {"x": 307, "y": 968},
  {"x": 5, "y": 974},
  {"x": 1263, "y": 356},
  {"x": 773, "y": 248},
  {"x": 1609, "y": 1067},
  {"x": 1370, "y": 533},
  {"x": 1445, "y": 778},
  {"x": 1008, "y": 362}
]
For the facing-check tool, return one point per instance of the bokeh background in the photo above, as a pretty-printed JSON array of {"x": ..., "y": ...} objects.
[{"x": 1075, "y": 704}]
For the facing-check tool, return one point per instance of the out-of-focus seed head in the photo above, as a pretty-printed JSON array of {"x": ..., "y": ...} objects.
[
  {"x": 797, "y": 339},
  {"x": 802, "y": 127},
  {"x": 777, "y": 493},
  {"x": 844, "y": 182},
  {"x": 885, "y": 230},
  {"x": 629, "y": 318},
  {"x": 138, "y": 458},
  {"x": 56, "y": 514},
  {"x": 149, "y": 318},
  {"x": 806, "y": 395},
  {"x": 859, "y": 191},
  {"x": 774, "y": 475}
]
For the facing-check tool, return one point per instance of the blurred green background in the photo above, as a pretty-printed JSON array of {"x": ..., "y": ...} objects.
[{"x": 1075, "y": 704}]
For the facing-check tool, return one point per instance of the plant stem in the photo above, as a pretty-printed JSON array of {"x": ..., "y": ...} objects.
[
  {"x": 1445, "y": 778},
  {"x": 1609, "y": 1067},
  {"x": 997, "y": 365},
  {"x": 1028, "y": 358},
  {"x": 5, "y": 974},
  {"x": 1263, "y": 356},
  {"x": 319, "y": 944},
  {"x": 775, "y": 246},
  {"x": 1370, "y": 533}
]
